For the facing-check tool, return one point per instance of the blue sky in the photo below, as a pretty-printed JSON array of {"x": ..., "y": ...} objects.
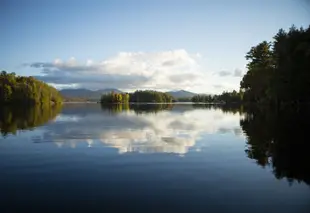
[{"x": 197, "y": 45}]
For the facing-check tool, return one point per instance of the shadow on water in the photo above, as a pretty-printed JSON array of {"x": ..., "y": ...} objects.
[
  {"x": 279, "y": 139},
  {"x": 275, "y": 139},
  {"x": 226, "y": 108},
  {"x": 17, "y": 118}
]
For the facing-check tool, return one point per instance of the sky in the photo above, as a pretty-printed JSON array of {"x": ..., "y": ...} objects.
[{"x": 196, "y": 45}]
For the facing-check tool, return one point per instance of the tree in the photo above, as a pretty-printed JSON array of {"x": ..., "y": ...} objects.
[
  {"x": 27, "y": 90},
  {"x": 150, "y": 96},
  {"x": 256, "y": 82},
  {"x": 279, "y": 72},
  {"x": 114, "y": 98},
  {"x": 225, "y": 97}
]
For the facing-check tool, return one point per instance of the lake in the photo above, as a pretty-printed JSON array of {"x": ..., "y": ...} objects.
[{"x": 160, "y": 158}]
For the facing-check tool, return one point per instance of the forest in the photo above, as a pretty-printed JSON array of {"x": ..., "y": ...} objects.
[
  {"x": 26, "y": 90},
  {"x": 278, "y": 83},
  {"x": 139, "y": 96},
  {"x": 225, "y": 97},
  {"x": 150, "y": 96},
  {"x": 278, "y": 73},
  {"x": 113, "y": 97}
]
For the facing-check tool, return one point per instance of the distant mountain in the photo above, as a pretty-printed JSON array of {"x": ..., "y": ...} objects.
[
  {"x": 86, "y": 93},
  {"x": 181, "y": 94},
  {"x": 108, "y": 90}
]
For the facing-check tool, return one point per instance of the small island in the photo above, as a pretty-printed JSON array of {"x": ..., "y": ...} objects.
[{"x": 139, "y": 96}]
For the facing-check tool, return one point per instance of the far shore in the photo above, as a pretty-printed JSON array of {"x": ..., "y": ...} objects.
[{"x": 97, "y": 102}]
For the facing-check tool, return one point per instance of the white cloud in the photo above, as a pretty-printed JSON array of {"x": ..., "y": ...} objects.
[
  {"x": 158, "y": 70},
  {"x": 129, "y": 71}
]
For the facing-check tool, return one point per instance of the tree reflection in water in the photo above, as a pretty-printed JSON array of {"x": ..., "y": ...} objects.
[
  {"x": 276, "y": 139},
  {"x": 137, "y": 108},
  {"x": 279, "y": 139},
  {"x": 16, "y": 118}
]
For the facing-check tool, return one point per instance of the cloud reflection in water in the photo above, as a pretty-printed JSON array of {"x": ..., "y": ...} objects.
[{"x": 171, "y": 131}]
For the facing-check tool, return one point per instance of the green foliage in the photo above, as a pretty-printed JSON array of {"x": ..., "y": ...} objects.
[
  {"x": 114, "y": 98},
  {"x": 150, "y": 96},
  {"x": 277, "y": 83},
  {"x": 279, "y": 72},
  {"x": 16, "y": 118},
  {"x": 26, "y": 90}
]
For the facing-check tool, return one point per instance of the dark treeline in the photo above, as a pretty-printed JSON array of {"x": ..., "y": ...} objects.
[
  {"x": 225, "y": 97},
  {"x": 279, "y": 139},
  {"x": 16, "y": 118},
  {"x": 139, "y": 96},
  {"x": 279, "y": 71},
  {"x": 150, "y": 96},
  {"x": 278, "y": 83},
  {"x": 26, "y": 90}
]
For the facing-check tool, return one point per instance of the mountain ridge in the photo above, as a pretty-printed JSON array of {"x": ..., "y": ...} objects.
[
  {"x": 181, "y": 94},
  {"x": 86, "y": 93}
]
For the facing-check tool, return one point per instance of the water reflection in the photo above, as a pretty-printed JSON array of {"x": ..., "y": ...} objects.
[
  {"x": 138, "y": 128},
  {"x": 137, "y": 108},
  {"x": 17, "y": 118},
  {"x": 225, "y": 108},
  {"x": 274, "y": 139},
  {"x": 279, "y": 139}
]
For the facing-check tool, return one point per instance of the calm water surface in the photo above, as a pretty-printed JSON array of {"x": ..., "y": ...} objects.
[{"x": 179, "y": 158}]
